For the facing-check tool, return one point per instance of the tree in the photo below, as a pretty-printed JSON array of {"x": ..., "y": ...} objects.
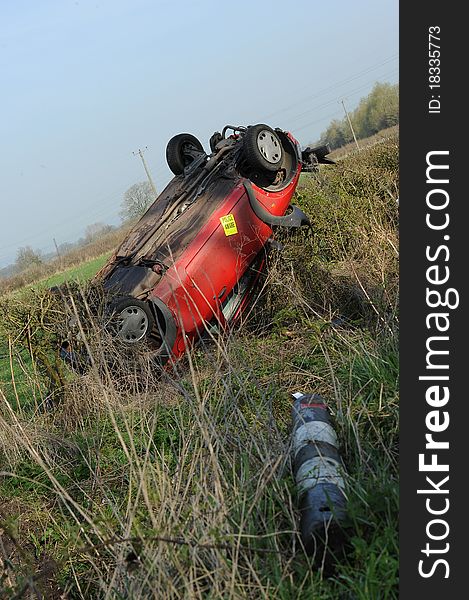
[
  {"x": 26, "y": 257},
  {"x": 383, "y": 109},
  {"x": 338, "y": 134},
  {"x": 65, "y": 247},
  {"x": 136, "y": 200},
  {"x": 377, "y": 111},
  {"x": 95, "y": 230}
]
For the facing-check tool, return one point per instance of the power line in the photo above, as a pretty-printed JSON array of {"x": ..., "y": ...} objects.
[
  {"x": 335, "y": 85},
  {"x": 328, "y": 102},
  {"x": 334, "y": 114},
  {"x": 161, "y": 169},
  {"x": 330, "y": 116},
  {"x": 334, "y": 100}
]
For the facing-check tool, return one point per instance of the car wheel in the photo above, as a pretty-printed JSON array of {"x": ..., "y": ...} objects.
[
  {"x": 263, "y": 148},
  {"x": 132, "y": 319},
  {"x": 182, "y": 149}
]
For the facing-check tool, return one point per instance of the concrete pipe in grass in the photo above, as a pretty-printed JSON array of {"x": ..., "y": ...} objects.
[{"x": 319, "y": 475}]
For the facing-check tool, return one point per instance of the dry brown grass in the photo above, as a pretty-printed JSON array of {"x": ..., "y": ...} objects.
[
  {"x": 351, "y": 149},
  {"x": 179, "y": 489},
  {"x": 74, "y": 258},
  {"x": 141, "y": 483}
]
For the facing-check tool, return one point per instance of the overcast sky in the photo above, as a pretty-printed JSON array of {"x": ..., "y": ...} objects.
[{"x": 85, "y": 83}]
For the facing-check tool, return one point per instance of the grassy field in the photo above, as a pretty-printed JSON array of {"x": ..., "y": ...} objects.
[
  {"x": 351, "y": 148},
  {"x": 178, "y": 485},
  {"x": 81, "y": 273},
  {"x": 17, "y": 376}
]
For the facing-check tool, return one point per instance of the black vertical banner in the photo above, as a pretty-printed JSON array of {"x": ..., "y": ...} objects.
[{"x": 434, "y": 199}]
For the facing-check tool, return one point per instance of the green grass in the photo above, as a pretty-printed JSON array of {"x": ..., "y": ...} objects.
[
  {"x": 18, "y": 379},
  {"x": 193, "y": 465},
  {"x": 81, "y": 273}
]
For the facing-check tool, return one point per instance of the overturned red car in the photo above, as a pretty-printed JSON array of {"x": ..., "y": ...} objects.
[{"x": 195, "y": 256}]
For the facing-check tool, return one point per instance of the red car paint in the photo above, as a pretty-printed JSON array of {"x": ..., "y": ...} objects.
[
  {"x": 199, "y": 258},
  {"x": 195, "y": 287}
]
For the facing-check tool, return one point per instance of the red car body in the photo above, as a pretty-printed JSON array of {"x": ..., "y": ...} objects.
[
  {"x": 195, "y": 255},
  {"x": 195, "y": 288}
]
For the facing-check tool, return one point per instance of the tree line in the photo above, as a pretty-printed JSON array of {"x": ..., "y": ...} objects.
[
  {"x": 379, "y": 110},
  {"x": 135, "y": 201}
]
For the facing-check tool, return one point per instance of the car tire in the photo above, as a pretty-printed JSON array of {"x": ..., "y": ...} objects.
[
  {"x": 132, "y": 320},
  {"x": 263, "y": 148},
  {"x": 176, "y": 157}
]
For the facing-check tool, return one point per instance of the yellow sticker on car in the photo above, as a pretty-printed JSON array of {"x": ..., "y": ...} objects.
[{"x": 229, "y": 224}]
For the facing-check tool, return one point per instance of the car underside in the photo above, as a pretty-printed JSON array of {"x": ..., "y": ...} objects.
[{"x": 196, "y": 254}]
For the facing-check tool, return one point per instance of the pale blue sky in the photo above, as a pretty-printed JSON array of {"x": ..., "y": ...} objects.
[{"x": 84, "y": 83}]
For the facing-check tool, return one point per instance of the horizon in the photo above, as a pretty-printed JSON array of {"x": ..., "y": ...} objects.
[{"x": 88, "y": 87}]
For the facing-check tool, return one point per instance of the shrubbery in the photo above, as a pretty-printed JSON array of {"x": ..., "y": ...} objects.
[{"x": 180, "y": 486}]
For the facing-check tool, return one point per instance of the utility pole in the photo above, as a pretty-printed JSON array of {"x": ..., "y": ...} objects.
[
  {"x": 59, "y": 256},
  {"x": 350, "y": 123},
  {"x": 56, "y": 248},
  {"x": 140, "y": 153}
]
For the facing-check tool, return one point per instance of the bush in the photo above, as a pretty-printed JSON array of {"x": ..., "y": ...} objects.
[{"x": 178, "y": 484}]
